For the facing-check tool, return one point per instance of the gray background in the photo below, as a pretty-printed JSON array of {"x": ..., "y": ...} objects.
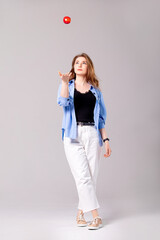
[{"x": 122, "y": 38}]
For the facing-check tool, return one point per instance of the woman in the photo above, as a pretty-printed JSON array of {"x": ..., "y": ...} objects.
[{"x": 83, "y": 132}]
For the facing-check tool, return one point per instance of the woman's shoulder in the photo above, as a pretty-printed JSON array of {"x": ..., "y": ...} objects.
[{"x": 98, "y": 91}]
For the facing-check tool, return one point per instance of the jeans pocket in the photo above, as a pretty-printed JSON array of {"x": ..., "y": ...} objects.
[{"x": 68, "y": 140}]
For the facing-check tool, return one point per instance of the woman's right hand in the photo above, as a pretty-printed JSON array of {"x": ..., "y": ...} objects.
[{"x": 65, "y": 77}]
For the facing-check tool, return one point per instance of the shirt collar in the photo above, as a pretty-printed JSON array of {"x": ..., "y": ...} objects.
[
  {"x": 73, "y": 80},
  {"x": 93, "y": 89}
]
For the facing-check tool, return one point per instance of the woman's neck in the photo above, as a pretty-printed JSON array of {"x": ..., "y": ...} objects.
[{"x": 80, "y": 80}]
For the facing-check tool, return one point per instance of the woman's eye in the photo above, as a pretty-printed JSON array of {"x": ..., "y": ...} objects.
[{"x": 83, "y": 62}]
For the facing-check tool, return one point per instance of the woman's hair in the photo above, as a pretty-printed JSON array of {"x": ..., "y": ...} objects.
[{"x": 90, "y": 76}]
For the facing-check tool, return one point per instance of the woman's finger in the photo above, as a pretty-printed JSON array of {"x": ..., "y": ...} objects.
[
  {"x": 59, "y": 73},
  {"x": 105, "y": 155},
  {"x": 108, "y": 153}
]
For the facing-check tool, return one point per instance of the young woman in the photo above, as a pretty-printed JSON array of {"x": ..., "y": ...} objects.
[{"x": 83, "y": 132}]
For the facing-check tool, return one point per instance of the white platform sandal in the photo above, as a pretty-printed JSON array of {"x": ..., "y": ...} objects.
[
  {"x": 95, "y": 224},
  {"x": 81, "y": 222}
]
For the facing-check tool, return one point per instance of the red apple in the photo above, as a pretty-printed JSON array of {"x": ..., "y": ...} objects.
[{"x": 66, "y": 20}]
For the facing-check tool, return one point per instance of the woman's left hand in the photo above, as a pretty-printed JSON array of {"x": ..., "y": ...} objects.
[{"x": 107, "y": 148}]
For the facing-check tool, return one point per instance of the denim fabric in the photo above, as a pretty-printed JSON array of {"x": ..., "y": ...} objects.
[
  {"x": 69, "y": 124},
  {"x": 84, "y": 155}
]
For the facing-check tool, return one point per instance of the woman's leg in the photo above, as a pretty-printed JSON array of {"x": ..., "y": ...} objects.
[
  {"x": 78, "y": 162},
  {"x": 94, "y": 213},
  {"x": 79, "y": 212},
  {"x": 93, "y": 152}
]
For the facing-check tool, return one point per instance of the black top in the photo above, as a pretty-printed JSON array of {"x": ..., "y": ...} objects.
[{"x": 84, "y": 104}]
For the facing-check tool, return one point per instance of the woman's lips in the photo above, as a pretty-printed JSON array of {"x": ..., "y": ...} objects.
[{"x": 80, "y": 69}]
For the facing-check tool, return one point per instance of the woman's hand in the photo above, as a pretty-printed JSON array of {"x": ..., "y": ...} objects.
[
  {"x": 107, "y": 148},
  {"x": 65, "y": 77}
]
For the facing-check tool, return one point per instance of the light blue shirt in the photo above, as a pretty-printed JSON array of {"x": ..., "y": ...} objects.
[{"x": 69, "y": 123}]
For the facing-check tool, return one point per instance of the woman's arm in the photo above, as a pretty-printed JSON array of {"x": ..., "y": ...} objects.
[
  {"x": 64, "y": 90},
  {"x": 102, "y": 120},
  {"x": 63, "y": 101},
  {"x": 63, "y": 98},
  {"x": 102, "y": 113},
  {"x": 103, "y": 133},
  {"x": 106, "y": 143}
]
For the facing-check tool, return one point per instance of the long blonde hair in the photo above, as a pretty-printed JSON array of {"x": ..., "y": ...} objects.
[{"x": 90, "y": 76}]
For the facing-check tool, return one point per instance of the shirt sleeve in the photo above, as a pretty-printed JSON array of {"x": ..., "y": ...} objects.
[
  {"x": 63, "y": 101},
  {"x": 102, "y": 113}
]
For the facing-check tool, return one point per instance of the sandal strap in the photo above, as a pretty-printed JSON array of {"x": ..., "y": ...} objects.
[
  {"x": 98, "y": 217},
  {"x": 80, "y": 217},
  {"x": 95, "y": 219}
]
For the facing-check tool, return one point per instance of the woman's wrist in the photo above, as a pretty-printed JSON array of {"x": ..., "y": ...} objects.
[
  {"x": 65, "y": 82},
  {"x": 105, "y": 140}
]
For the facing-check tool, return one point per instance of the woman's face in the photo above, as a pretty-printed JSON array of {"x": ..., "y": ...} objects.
[{"x": 80, "y": 66}]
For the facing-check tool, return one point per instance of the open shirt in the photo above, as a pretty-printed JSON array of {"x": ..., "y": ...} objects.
[{"x": 69, "y": 123}]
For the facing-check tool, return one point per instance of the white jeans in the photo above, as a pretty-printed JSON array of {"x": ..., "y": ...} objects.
[{"x": 83, "y": 155}]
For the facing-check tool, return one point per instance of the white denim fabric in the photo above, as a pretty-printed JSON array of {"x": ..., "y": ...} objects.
[{"x": 83, "y": 155}]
